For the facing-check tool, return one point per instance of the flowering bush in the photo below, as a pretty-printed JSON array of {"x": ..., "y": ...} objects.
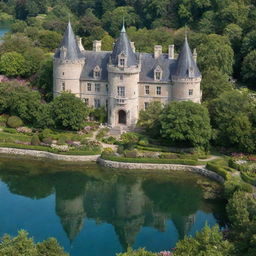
[
  {"x": 63, "y": 148},
  {"x": 165, "y": 253},
  {"x": 24, "y": 129}
]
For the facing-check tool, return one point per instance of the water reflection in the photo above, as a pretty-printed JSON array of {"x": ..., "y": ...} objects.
[{"x": 127, "y": 202}]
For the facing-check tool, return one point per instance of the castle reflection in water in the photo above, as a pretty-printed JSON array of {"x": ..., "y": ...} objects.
[{"x": 128, "y": 202}]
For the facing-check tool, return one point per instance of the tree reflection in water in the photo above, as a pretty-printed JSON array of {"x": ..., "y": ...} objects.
[{"x": 127, "y": 201}]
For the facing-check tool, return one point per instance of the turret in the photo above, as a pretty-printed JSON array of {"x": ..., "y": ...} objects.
[
  {"x": 123, "y": 76},
  {"x": 186, "y": 78},
  {"x": 68, "y": 64}
]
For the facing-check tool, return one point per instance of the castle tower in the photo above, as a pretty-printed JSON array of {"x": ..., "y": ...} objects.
[
  {"x": 123, "y": 78},
  {"x": 187, "y": 77},
  {"x": 67, "y": 65}
]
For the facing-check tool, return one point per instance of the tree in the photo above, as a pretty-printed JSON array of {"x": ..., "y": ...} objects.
[
  {"x": 69, "y": 112},
  {"x": 22, "y": 245},
  {"x": 209, "y": 241},
  {"x": 249, "y": 67},
  {"x": 45, "y": 77},
  {"x": 186, "y": 123},
  {"x": 33, "y": 59},
  {"x": 214, "y": 83},
  {"x": 13, "y": 64},
  {"x": 107, "y": 42},
  {"x": 216, "y": 52},
  {"x": 49, "y": 39},
  {"x": 112, "y": 20},
  {"x": 149, "y": 118},
  {"x": 234, "y": 33},
  {"x": 230, "y": 116},
  {"x": 241, "y": 210},
  {"x": 249, "y": 43}
]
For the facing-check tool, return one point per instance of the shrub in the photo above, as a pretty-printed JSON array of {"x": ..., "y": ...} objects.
[
  {"x": 219, "y": 170},
  {"x": 129, "y": 139},
  {"x": 143, "y": 142},
  {"x": 84, "y": 141},
  {"x": 248, "y": 179},
  {"x": 14, "y": 122},
  {"x": 10, "y": 130},
  {"x": 120, "y": 149},
  {"x": 107, "y": 152},
  {"x": 109, "y": 140},
  {"x": 102, "y": 132},
  {"x": 76, "y": 137},
  {"x": 47, "y": 141},
  {"x": 46, "y": 133},
  {"x": 62, "y": 140},
  {"x": 139, "y": 252},
  {"x": 35, "y": 141},
  {"x": 168, "y": 156},
  {"x": 131, "y": 153}
]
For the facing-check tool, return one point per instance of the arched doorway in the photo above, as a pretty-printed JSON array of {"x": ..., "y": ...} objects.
[{"x": 121, "y": 117}]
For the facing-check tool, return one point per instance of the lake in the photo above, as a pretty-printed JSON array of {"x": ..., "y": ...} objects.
[
  {"x": 3, "y": 30},
  {"x": 96, "y": 211}
]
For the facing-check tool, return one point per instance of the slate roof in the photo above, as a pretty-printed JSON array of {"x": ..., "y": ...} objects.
[
  {"x": 123, "y": 44},
  {"x": 93, "y": 59},
  {"x": 70, "y": 43},
  {"x": 185, "y": 62},
  {"x": 170, "y": 67},
  {"x": 149, "y": 63}
]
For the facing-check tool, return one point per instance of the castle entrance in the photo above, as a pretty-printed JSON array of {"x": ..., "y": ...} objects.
[{"x": 121, "y": 117}]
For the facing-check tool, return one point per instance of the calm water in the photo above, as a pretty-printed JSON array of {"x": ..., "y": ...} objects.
[
  {"x": 91, "y": 210},
  {"x": 3, "y": 30}
]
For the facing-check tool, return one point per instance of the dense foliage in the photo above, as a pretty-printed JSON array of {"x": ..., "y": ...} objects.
[{"x": 22, "y": 245}]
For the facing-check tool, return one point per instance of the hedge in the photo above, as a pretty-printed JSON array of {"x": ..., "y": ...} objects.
[
  {"x": 48, "y": 149},
  {"x": 219, "y": 170},
  {"x": 248, "y": 179},
  {"x": 150, "y": 160},
  {"x": 154, "y": 149}
]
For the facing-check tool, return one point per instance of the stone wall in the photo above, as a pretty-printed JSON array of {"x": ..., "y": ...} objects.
[
  {"x": 43, "y": 154},
  {"x": 162, "y": 168}
]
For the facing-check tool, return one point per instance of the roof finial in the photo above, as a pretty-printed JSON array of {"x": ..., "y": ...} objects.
[{"x": 123, "y": 28}]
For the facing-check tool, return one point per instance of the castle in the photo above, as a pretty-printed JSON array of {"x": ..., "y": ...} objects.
[{"x": 125, "y": 81}]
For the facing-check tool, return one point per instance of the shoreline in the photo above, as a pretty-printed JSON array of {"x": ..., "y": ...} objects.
[
  {"x": 160, "y": 168},
  {"x": 49, "y": 155}
]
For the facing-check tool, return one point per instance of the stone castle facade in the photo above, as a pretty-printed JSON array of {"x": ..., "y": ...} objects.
[{"x": 123, "y": 80}]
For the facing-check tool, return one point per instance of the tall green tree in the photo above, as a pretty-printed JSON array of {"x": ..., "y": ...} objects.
[
  {"x": 69, "y": 112},
  {"x": 186, "y": 123}
]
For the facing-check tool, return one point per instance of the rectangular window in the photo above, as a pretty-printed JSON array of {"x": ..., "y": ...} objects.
[
  {"x": 106, "y": 88},
  {"x": 106, "y": 104},
  {"x": 97, "y": 87},
  {"x": 190, "y": 92},
  {"x": 89, "y": 87},
  {"x": 146, "y": 105},
  {"x": 86, "y": 101},
  {"x": 96, "y": 103},
  {"x": 121, "y": 91},
  {"x": 122, "y": 62},
  {"x": 158, "y": 75},
  {"x": 158, "y": 90},
  {"x": 96, "y": 74},
  {"x": 121, "y": 77},
  {"x": 146, "y": 89},
  {"x": 63, "y": 87}
]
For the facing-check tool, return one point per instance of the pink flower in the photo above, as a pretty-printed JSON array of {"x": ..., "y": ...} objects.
[{"x": 165, "y": 253}]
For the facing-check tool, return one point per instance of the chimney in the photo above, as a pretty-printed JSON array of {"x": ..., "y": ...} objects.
[
  {"x": 133, "y": 46},
  {"x": 157, "y": 51},
  {"x": 195, "y": 55},
  {"x": 96, "y": 46},
  {"x": 171, "y": 52},
  {"x": 79, "y": 42}
]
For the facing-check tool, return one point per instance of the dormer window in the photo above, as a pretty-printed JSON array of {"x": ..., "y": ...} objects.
[
  {"x": 158, "y": 73},
  {"x": 122, "y": 60},
  {"x": 96, "y": 72},
  {"x": 191, "y": 72}
]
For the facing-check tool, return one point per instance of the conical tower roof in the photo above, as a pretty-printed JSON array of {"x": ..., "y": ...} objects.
[
  {"x": 186, "y": 67},
  {"x": 70, "y": 44},
  {"x": 123, "y": 45}
]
